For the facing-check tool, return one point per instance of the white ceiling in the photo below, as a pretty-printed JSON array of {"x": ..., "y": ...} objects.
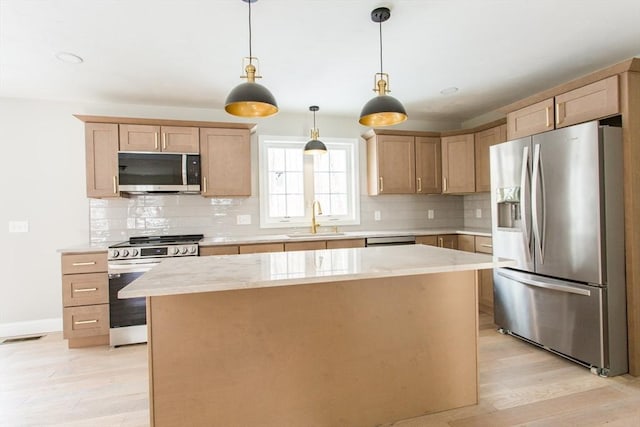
[{"x": 325, "y": 52}]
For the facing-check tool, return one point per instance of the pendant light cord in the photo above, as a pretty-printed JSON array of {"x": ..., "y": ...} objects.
[
  {"x": 250, "y": 52},
  {"x": 314, "y": 120},
  {"x": 380, "y": 47}
]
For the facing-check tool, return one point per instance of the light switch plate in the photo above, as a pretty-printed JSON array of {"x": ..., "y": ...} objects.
[
  {"x": 430, "y": 214},
  {"x": 243, "y": 219},
  {"x": 18, "y": 226},
  {"x": 478, "y": 213},
  {"x": 376, "y": 215}
]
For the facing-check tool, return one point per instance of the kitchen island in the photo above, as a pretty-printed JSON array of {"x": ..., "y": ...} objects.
[{"x": 354, "y": 337}]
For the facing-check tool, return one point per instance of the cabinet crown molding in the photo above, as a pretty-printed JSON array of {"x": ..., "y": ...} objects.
[{"x": 164, "y": 122}]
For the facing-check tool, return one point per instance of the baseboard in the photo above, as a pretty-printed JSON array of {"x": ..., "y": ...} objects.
[{"x": 30, "y": 327}]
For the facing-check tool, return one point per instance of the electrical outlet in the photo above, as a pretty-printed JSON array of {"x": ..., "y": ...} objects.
[
  {"x": 243, "y": 219},
  {"x": 478, "y": 213},
  {"x": 376, "y": 215},
  {"x": 18, "y": 226},
  {"x": 430, "y": 214}
]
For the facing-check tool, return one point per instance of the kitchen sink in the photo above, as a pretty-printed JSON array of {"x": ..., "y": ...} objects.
[{"x": 318, "y": 234}]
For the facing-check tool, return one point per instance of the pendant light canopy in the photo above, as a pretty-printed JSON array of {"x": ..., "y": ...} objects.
[
  {"x": 315, "y": 146},
  {"x": 383, "y": 109},
  {"x": 251, "y": 99}
]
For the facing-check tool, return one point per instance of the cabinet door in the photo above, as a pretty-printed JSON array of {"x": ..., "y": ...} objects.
[
  {"x": 101, "y": 149},
  {"x": 427, "y": 240},
  {"x": 428, "y": 165},
  {"x": 458, "y": 168},
  {"x": 590, "y": 102},
  {"x": 448, "y": 241},
  {"x": 180, "y": 139},
  {"x": 396, "y": 164},
  {"x": 225, "y": 159},
  {"x": 139, "y": 138},
  {"x": 467, "y": 243},
  {"x": 485, "y": 290},
  {"x": 530, "y": 120},
  {"x": 484, "y": 140}
]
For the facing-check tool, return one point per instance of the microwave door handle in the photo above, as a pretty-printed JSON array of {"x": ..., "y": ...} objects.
[{"x": 184, "y": 169}]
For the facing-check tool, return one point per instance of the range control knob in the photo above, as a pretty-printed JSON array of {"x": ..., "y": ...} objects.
[
  {"x": 175, "y": 250},
  {"x": 115, "y": 253},
  {"x": 125, "y": 253},
  {"x": 193, "y": 249},
  {"x": 134, "y": 252},
  {"x": 184, "y": 250}
]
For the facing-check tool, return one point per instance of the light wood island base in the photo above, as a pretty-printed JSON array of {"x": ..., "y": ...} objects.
[{"x": 349, "y": 353}]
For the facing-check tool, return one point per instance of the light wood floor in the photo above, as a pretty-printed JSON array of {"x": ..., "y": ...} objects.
[{"x": 44, "y": 383}]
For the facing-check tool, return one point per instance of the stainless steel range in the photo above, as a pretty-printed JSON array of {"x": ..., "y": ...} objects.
[{"x": 128, "y": 261}]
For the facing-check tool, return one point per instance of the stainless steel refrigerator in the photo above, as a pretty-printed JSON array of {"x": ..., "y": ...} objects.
[{"x": 557, "y": 209}]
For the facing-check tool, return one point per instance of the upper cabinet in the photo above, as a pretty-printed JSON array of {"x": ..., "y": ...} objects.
[
  {"x": 171, "y": 139},
  {"x": 484, "y": 140},
  {"x": 225, "y": 159},
  {"x": 458, "y": 164},
  {"x": 403, "y": 164},
  {"x": 101, "y": 150},
  {"x": 590, "y": 102},
  {"x": 428, "y": 165}
]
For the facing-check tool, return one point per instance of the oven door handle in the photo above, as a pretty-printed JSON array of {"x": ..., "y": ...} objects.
[{"x": 117, "y": 269}]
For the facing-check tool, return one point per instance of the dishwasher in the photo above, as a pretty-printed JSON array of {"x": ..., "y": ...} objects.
[{"x": 390, "y": 241}]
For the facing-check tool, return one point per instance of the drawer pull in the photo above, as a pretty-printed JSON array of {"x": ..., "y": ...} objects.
[
  {"x": 485, "y": 245},
  {"x": 381, "y": 184},
  {"x": 115, "y": 184},
  {"x": 85, "y": 290},
  {"x": 80, "y": 264},
  {"x": 85, "y": 322}
]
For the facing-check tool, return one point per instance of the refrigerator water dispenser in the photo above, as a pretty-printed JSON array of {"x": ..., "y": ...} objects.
[{"x": 508, "y": 200}]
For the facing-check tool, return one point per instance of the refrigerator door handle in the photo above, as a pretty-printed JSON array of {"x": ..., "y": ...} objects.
[
  {"x": 525, "y": 196},
  {"x": 546, "y": 285},
  {"x": 537, "y": 182}
]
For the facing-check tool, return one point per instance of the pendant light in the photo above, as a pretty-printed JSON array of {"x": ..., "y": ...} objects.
[
  {"x": 382, "y": 110},
  {"x": 315, "y": 146},
  {"x": 250, "y": 99}
]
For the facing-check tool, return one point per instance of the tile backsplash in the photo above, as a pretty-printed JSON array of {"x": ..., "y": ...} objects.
[
  {"x": 140, "y": 215},
  {"x": 475, "y": 204}
]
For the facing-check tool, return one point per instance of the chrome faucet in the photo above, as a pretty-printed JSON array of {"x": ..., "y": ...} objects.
[{"x": 314, "y": 224}]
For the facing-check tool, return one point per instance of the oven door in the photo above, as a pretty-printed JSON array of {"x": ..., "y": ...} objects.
[{"x": 127, "y": 316}]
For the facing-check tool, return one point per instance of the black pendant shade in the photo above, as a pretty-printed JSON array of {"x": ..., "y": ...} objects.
[
  {"x": 382, "y": 110},
  {"x": 315, "y": 146},
  {"x": 251, "y": 99}
]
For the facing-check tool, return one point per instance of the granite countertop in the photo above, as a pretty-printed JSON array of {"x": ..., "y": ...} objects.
[
  {"x": 174, "y": 276},
  {"x": 301, "y": 236}
]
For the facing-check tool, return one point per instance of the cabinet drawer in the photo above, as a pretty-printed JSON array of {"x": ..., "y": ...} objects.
[
  {"x": 86, "y": 321},
  {"x": 347, "y": 243},
  {"x": 93, "y": 262},
  {"x": 261, "y": 247},
  {"x": 85, "y": 289},
  {"x": 219, "y": 250},
  {"x": 484, "y": 245},
  {"x": 305, "y": 246}
]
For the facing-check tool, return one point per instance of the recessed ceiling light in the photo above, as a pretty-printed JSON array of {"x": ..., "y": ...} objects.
[
  {"x": 449, "y": 90},
  {"x": 69, "y": 58}
]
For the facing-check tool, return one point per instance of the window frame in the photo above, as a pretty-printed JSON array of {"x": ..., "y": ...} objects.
[{"x": 350, "y": 145}]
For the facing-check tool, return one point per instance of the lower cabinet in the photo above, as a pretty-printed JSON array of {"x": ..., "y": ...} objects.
[
  {"x": 85, "y": 299},
  {"x": 261, "y": 247},
  {"x": 305, "y": 246},
  {"x": 485, "y": 278},
  {"x": 219, "y": 250},
  {"x": 345, "y": 243},
  {"x": 449, "y": 241}
]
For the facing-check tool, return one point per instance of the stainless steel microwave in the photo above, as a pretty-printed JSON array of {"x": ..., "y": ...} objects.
[{"x": 158, "y": 172}]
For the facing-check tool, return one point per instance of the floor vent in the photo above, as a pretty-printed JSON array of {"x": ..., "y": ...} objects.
[{"x": 21, "y": 339}]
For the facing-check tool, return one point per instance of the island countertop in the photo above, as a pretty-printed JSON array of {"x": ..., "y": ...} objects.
[{"x": 188, "y": 275}]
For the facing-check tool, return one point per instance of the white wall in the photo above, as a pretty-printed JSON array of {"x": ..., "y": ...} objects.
[{"x": 43, "y": 180}]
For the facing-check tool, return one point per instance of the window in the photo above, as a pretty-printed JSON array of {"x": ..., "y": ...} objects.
[{"x": 290, "y": 181}]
